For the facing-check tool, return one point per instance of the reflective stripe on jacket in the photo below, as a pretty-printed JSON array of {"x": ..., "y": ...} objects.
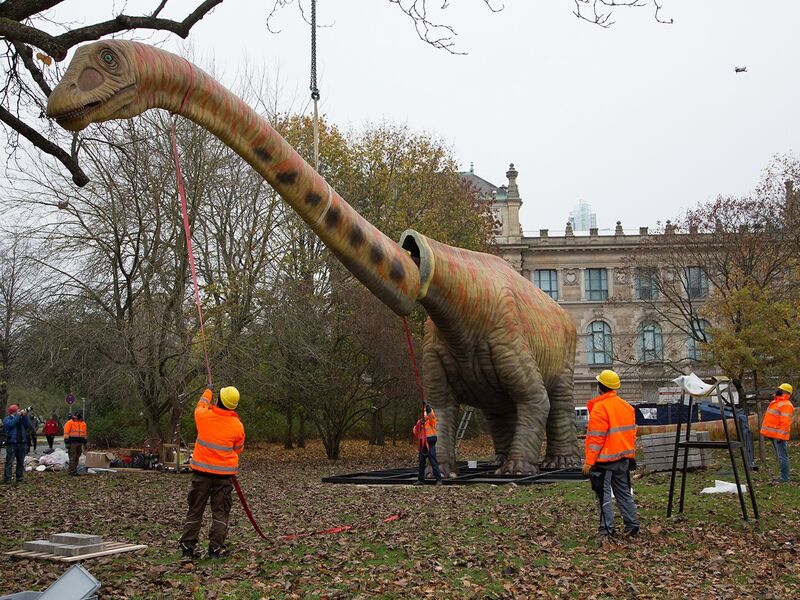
[
  {"x": 220, "y": 438},
  {"x": 75, "y": 431},
  {"x": 611, "y": 433},
  {"x": 777, "y": 422}
]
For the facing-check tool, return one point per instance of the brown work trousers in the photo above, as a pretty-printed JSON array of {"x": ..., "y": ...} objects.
[
  {"x": 74, "y": 450},
  {"x": 219, "y": 490}
]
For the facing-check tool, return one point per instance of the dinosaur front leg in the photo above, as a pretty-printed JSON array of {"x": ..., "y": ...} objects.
[
  {"x": 441, "y": 398},
  {"x": 523, "y": 382},
  {"x": 562, "y": 436}
]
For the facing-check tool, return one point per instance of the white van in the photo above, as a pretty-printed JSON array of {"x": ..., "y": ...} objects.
[{"x": 581, "y": 417}]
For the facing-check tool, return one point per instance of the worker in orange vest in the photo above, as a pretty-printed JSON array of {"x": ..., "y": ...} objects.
[
  {"x": 611, "y": 455},
  {"x": 777, "y": 425},
  {"x": 425, "y": 432},
  {"x": 215, "y": 459},
  {"x": 76, "y": 436}
]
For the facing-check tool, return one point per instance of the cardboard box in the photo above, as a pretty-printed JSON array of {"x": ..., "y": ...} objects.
[{"x": 99, "y": 459}]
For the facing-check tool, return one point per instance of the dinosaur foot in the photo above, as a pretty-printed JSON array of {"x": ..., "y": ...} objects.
[
  {"x": 517, "y": 466},
  {"x": 561, "y": 461}
]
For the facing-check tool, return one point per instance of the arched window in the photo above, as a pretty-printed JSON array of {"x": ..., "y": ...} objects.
[
  {"x": 599, "y": 345},
  {"x": 699, "y": 335},
  {"x": 650, "y": 343}
]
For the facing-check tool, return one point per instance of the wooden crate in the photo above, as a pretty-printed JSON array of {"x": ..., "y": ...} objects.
[{"x": 657, "y": 450}]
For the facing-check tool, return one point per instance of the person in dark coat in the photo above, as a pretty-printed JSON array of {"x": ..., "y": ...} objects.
[{"x": 16, "y": 426}]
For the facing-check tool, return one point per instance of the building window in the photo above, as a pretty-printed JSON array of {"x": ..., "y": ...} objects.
[
  {"x": 696, "y": 283},
  {"x": 650, "y": 343},
  {"x": 699, "y": 336},
  {"x": 547, "y": 281},
  {"x": 599, "y": 347},
  {"x": 646, "y": 283},
  {"x": 596, "y": 284}
]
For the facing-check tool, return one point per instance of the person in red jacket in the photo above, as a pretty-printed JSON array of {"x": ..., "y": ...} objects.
[
  {"x": 611, "y": 454},
  {"x": 215, "y": 459},
  {"x": 777, "y": 426},
  {"x": 51, "y": 428}
]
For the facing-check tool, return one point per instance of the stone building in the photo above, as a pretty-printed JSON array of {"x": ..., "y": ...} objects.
[{"x": 589, "y": 276}]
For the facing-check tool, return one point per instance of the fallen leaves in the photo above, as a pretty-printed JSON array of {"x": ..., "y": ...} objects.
[{"x": 451, "y": 542}]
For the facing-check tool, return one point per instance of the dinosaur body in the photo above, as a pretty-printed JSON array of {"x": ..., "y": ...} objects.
[{"x": 493, "y": 340}]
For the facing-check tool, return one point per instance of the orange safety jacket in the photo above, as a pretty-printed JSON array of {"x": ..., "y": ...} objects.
[
  {"x": 611, "y": 433},
  {"x": 220, "y": 438},
  {"x": 425, "y": 428},
  {"x": 777, "y": 422},
  {"x": 75, "y": 431}
]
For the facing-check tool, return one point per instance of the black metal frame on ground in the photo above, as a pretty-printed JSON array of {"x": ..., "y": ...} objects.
[
  {"x": 483, "y": 473},
  {"x": 725, "y": 401}
]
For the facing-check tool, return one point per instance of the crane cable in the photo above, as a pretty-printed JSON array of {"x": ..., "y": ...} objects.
[{"x": 314, "y": 89}]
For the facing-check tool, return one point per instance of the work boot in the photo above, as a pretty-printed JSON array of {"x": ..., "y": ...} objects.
[
  {"x": 187, "y": 553},
  {"x": 439, "y": 482},
  {"x": 419, "y": 482},
  {"x": 216, "y": 552},
  {"x": 631, "y": 532}
]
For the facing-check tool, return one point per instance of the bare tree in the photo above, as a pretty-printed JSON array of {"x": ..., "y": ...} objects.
[
  {"x": 724, "y": 277},
  {"x": 118, "y": 258},
  {"x": 27, "y": 82},
  {"x": 18, "y": 300}
]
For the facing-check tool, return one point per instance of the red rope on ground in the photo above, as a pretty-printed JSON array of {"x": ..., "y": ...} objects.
[{"x": 246, "y": 507}]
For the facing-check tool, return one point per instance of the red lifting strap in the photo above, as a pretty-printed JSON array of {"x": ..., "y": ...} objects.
[
  {"x": 420, "y": 388},
  {"x": 188, "y": 233}
]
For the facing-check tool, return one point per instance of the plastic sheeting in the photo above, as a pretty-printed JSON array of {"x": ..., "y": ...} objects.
[
  {"x": 722, "y": 487},
  {"x": 693, "y": 385}
]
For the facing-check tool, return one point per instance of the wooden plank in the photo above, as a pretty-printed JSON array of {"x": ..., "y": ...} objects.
[{"x": 113, "y": 548}]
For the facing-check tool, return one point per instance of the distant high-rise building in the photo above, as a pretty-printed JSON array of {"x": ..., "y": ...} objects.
[{"x": 582, "y": 218}]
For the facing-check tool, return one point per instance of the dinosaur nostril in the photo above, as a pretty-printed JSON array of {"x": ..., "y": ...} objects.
[{"x": 89, "y": 79}]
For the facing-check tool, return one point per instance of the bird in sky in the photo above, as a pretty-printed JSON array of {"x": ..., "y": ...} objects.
[{"x": 740, "y": 69}]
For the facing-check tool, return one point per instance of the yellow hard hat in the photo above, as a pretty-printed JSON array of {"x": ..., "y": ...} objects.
[
  {"x": 609, "y": 379},
  {"x": 230, "y": 397},
  {"x": 786, "y": 387}
]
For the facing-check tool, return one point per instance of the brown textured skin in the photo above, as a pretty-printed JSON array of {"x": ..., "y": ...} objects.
[{"x": 493, "y": 339}]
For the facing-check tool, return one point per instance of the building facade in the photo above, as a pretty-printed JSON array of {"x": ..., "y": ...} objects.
[{"x": 610, "y": 302}]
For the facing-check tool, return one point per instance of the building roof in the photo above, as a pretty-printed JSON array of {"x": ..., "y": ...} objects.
[{"x": 485, "y": 188}]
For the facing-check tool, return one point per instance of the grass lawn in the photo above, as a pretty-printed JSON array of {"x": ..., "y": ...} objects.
[{"x": 450, "y": 542}]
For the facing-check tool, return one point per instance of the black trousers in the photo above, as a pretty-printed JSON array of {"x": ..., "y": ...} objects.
[
  {"x": 218, "y": 490},
  {"x": 50, "y": 439}
]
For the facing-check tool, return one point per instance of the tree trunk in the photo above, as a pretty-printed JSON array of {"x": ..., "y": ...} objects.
[
  {"x": 394, "y": 423},
  {"x": 377, "y": 437},
  {"x": 301, "y": 434},
  {"x": 761, "y": 454},
  {"x": 332, "y": 446},
  {"x": 288, "y": 443}
]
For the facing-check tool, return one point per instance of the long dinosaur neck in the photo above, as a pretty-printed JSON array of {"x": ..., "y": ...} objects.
[{"x": 172, "y": 83}]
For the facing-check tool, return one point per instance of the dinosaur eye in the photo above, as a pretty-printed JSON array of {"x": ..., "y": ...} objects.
[{"x": 108, "y": 57}]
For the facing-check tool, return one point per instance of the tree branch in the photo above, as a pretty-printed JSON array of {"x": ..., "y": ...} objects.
[
  {"x": 57, "y": 46},
  {"x": 37, "y": 139}
]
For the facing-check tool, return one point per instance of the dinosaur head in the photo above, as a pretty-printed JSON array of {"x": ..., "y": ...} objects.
[{"x": 100, "y": 84}]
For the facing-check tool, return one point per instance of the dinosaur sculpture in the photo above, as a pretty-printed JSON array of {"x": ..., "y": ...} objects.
[{"x": 493, "y": 340}]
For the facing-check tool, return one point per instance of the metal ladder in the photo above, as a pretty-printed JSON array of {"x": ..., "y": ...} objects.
[{"x": 462, "y": 426}]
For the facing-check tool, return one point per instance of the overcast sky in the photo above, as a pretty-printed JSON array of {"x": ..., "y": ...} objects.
[{"x": 640, "y": 120}]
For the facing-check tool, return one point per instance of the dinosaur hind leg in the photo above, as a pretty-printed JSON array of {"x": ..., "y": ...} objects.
[
  {"x": 502, "y": 428},
  {"x": 562, "y": 435}
]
